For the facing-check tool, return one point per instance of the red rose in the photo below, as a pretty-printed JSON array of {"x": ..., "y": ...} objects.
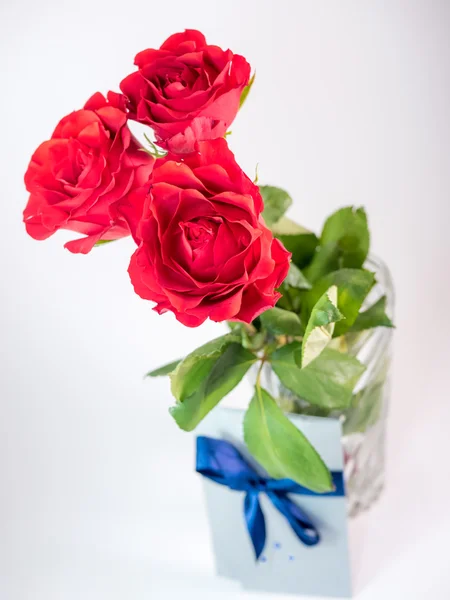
[
  {"x": 80, "y": 178},
  {"x": 187, "y": 90},
  {"x": 205, "y": 250}
]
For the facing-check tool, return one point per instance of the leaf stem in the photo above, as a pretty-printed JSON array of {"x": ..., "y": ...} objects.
[{"x": 258, "y": 375}]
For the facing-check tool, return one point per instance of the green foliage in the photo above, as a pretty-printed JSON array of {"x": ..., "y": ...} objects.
[
  {"x": 250, "y": 336},
  {"x": 280, "y": 447},
  {"x": 328, "y": 381},
  {"x": 206, "y": 380},
  {"x": 276, "y": 203},
  {"x": 320, "y": 326},
  {"x": 375, "y": 316},
  {"x": 344, "y": 243},
  {"x": 298, "y": 240},
  {"x": 353, "y": 286},
  {"x": 191, "y": 371},
  {"x": 165, "y": 370},
  {"x": 296, "y": 279},
  {"x": 292, "y": 289},
  {"x": 324, "y": 261},
  {"x": 246, "y": 90},
  {"x": 348, "y": 229},
  {"x": 255, "y": 180},
  {"x": 281, "y": 322},
  {"x": 253, "y": 341},
  {"x": 103, "y": 242}
]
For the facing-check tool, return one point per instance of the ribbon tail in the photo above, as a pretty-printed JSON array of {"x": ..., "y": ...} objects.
[
  {"x": 301, "y": 524},
  {"x": 254, "y": 518}
]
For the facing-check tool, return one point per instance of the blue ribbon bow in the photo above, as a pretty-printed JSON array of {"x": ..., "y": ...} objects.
[{"x": 221, "y": 462}]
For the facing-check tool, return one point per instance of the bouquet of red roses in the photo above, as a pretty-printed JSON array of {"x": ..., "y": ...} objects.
[{"x": 212, "y": 244}]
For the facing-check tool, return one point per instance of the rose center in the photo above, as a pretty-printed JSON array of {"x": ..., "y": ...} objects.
[
  {"x": 81, "y": 160},
  {"x": 174, "y": 78},
  {"x": 199, "y": 232},
  {"x": 174, "y": 82}
]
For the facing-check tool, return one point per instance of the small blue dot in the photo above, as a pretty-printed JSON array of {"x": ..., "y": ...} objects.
[
  {"x": 277, "y": 545},
  {"x": 263, "y": 559},
  {"x": 291, "y": 557}
]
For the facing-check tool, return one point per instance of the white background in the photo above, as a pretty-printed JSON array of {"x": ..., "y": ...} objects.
[{"x": 351, "y": 105}]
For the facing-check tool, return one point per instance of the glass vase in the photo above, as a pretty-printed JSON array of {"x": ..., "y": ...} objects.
[{"x": 364, "y": 423}]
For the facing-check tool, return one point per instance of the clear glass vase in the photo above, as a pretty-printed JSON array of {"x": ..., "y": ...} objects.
[{"x": 364, "y": 423}]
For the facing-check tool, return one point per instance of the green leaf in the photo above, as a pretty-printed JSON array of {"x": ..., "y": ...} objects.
[
  {"x": 296, "y": 279},
  {"x": 324, "y": 261},
  {"x": 344, "y": 243},
  {"x": 103, "y": 242},
  {"x": 287, "y": 226},
  {"x": 165, "y": 370},
  {"x": 298, "y": 240},
  {"x": 328, "y": 381},
  {"x": 281, "y": 322},
  {"x": 276, "y": 203},
  {"x": 280, "y": 447},
  {"x": 246, "y": 90},
  {"x": 223, "y": 374},
  {"x": 348, "y": 228},
  {"x": 292, "y": 289},
  {"x": 191, "y": 371},
  {"x": 375, "y": 316},
  {"x": 320, "y": 326},
  {"x": 353, "y": 286}
]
